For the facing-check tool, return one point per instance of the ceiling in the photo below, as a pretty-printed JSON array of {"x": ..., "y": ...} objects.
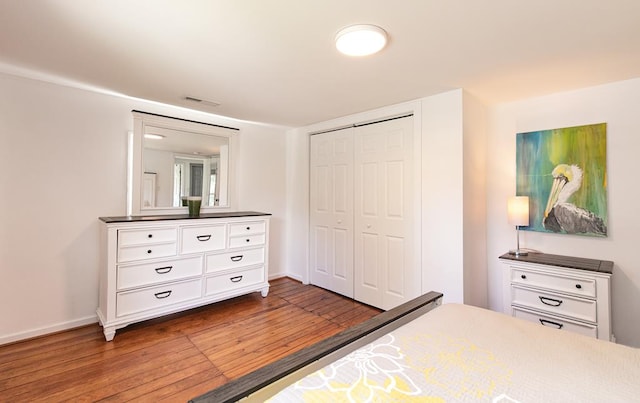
[{"x": 275, "y": 61}]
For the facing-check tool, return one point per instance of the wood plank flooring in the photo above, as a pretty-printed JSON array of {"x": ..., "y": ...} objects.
[{"x": 179, "y": 356}]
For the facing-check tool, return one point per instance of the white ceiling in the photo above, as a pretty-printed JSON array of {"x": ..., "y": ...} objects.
[{"x": 274, "y": 61}]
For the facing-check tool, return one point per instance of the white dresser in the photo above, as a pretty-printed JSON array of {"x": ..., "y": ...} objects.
[
  {"x": 561, "y": 292},
  {"x": 156, "y": 265}
]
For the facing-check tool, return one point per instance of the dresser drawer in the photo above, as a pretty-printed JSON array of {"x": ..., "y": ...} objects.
[
  {"x": 224, "y": 261},
  {"x": 247, "y": 228},
  {"x": 151, "y": 251},
  {"x": 160, "y": 272},
  {"x": 147, "y": 236},
  {"x": 129, "y": 302},
  {"x": 203, "y": 238},
  {"x": 556, "y": 323},
  {"x": 249, "y": 240},
  {"x": 573, "y": 307},
  {"x": 228, "y": 282},
  {"x": 557, "y": 282}
]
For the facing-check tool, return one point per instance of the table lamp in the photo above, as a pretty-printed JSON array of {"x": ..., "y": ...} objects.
[{"x": 518, "y": 213}]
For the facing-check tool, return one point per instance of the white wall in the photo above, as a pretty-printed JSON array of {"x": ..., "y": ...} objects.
[
  {"x": 442, "y": 195},
  {"x": 62, "y": 165},
  {"x": 161, "y": 163},
  {"x": 474, "y": 215},
  {"x": 618, "y": 105}
]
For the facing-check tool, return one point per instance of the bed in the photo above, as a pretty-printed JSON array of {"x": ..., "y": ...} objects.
[{"x": 428, "y": 351}]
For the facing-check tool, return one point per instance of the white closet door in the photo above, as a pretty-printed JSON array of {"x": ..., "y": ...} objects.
[
  {"x": 331, "y": 205},
  {"x": 386, "y": 270}
]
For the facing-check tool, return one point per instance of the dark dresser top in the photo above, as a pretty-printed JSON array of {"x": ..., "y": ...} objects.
[
  {"x": 136, "y": 218},
  {"x": 580, "y": 263}
]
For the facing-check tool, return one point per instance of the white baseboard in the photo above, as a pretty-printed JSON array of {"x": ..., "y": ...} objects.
[
  {"x": 280, "y": 275},
  {"x": 48, "y": 329}
]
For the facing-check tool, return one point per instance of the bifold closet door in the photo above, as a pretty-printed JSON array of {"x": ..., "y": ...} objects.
[
  {"x": 331, "y": 211},
  {"x": 387, "y": 270}
]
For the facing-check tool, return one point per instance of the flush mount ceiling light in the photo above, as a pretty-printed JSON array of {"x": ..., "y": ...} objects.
[{"x": 361, "y": 40}]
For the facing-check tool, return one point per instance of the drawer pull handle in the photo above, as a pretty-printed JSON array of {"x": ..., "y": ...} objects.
[
  {"x": 164, "y": 270},
  {"x": 150, "y": 235},
  {"x": 524, "y": 277},
  {"x": 149, "y": 251},
  {"x": 203, "y": 238},
  {"x": 248, "y": 228},
  {"x": 236, "y": 279},
  {"x": 545, "y": 322},
  {"x": 163, "y": 294},
  {"x": 236, "y": 258},
  {"x": 578, "y": 286},
  {"x": 550, "y": 301},
  {"x": 248, "y": 240}
]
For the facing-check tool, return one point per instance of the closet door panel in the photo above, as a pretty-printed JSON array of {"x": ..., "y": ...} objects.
[
  {"x": 395, "y": 267},
  {"x": 384, "y": 210},
  {"x": 331, "y": 211}
]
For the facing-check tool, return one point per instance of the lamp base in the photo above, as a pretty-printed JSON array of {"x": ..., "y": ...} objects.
[{"x": 518, "y": 252}]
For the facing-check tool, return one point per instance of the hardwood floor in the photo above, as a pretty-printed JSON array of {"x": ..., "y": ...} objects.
[{"x": 177, "y": 357}]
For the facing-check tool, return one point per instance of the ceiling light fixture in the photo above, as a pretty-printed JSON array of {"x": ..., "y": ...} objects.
[{"x": 361, "y": 40}]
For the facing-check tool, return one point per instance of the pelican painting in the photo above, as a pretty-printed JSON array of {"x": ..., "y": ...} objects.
[
  {"x": 563, "y": 171},
  {"x": 562, "y": 216}
]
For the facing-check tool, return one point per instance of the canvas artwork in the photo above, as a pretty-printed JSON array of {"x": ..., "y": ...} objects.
[{"x": 563, "y": 171}]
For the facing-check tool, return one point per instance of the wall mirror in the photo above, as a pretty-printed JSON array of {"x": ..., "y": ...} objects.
[{"x": 171, "y": 159}]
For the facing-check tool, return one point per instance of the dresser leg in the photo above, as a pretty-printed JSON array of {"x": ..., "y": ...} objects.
[
  {"x": 264, "y": 292},
  {"x": 109, "y": 332}
]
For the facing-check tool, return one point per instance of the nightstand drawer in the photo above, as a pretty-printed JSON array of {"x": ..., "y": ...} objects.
[
  {"x": 147, "y": 236},
  {"x": 129, "y": 302},
  {"x": 202, "y": 239},
  {"x": 556, "y": 282},
  {"x": 231, "y": 281},
  {"x": 224, "y": 261},
  {"x": 556, "y": 323},
  {"x": 247, "y": 228},
  {"x": 160, "y": 272},
  {"x": 572, "y": 307}
]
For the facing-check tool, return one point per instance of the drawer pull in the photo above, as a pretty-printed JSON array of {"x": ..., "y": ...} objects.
[
  {"x": 248, "y": 228},
  {"x": 236, "y": 258},
  {"x": 149, "y": 251},
  {"x": 545, "y": 322},
  {"x": 163, "y": 294},
  {"x": 163, "y": 270},
  {"x": 550, "y": 301},
  {"x": 578, "y": 286},
  {"x": 203, "y": 238},
  {"x": 236, "y": 279},
  {"x": 524, "y": 277},
  {"x": 248, "y": 240},
  {"x": 150, "y": 236}
]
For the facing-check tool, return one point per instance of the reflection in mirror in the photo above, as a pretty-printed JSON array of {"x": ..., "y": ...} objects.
[
  {"x": 183, "y": 164},
  {"x": 180, "y": 159}
]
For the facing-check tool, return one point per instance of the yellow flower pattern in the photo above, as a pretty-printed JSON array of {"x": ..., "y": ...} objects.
[{"x": 422, "y": 368}]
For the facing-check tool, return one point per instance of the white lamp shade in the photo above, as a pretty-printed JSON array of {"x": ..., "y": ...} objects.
[
  {"x": 361, "y": 40},
  {"x": 518, "y": 210}
]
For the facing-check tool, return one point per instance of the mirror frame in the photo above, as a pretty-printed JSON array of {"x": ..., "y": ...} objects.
[{"x": 135, "y": 160}]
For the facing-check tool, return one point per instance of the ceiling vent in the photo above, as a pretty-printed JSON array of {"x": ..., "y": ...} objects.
[{"x": 201, "y": 101}]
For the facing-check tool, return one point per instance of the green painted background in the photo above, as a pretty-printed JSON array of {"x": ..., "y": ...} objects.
[{"x": 537, "y": 153}]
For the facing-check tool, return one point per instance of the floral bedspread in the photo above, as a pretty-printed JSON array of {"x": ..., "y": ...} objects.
[{"x": 458, "y": 353}]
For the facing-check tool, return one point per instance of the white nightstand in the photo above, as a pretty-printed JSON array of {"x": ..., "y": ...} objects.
[{"x": 562, "y": 292}]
